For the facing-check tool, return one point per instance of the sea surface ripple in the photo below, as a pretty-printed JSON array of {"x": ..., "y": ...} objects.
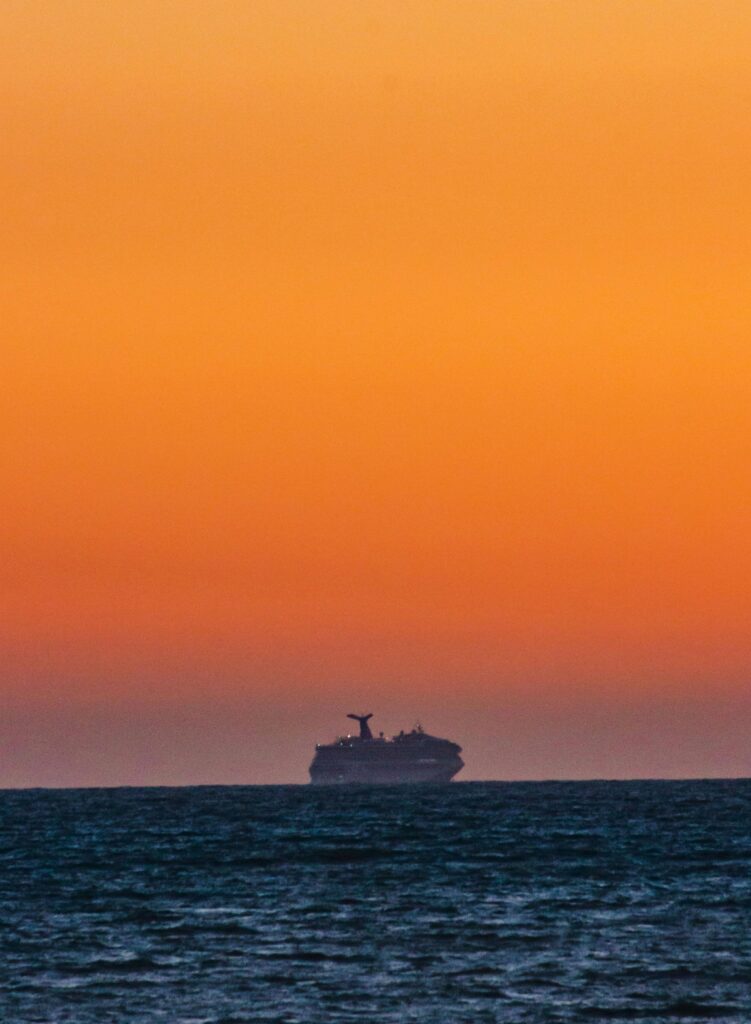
[{"x": 474, "y": 902}]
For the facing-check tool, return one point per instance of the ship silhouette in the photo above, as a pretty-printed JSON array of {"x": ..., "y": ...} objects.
[{"x": 409, "y": 757}]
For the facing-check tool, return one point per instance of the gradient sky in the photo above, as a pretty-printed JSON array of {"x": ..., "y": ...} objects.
[{"x": 391, "y": 356}]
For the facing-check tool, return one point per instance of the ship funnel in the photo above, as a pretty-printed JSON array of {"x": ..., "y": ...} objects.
[{"x": 365, "y": 733}]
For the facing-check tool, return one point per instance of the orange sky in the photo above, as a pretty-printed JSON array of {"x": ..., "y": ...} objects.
[{"x": 378, "y": 354}]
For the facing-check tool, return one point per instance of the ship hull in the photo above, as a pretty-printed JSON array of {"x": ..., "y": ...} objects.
[{"x": 351, "y": 772}]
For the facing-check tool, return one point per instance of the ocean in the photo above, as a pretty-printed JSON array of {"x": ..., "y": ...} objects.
[{"x": 473, "y": 902}]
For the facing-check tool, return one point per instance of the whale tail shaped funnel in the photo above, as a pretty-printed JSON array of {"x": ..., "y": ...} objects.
[{"x": 365, "y": 733}]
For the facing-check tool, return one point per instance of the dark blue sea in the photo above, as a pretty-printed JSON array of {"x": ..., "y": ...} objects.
[{"x": 474, "y": 902}]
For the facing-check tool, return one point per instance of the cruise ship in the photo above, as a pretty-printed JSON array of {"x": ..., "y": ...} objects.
[{"x": 410, "y": 757}]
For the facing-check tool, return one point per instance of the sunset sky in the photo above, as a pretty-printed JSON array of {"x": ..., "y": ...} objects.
[{"x": 391, "y": 356}]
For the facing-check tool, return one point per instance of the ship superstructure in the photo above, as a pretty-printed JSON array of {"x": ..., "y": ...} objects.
[{"x": 409, "y": 757}]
